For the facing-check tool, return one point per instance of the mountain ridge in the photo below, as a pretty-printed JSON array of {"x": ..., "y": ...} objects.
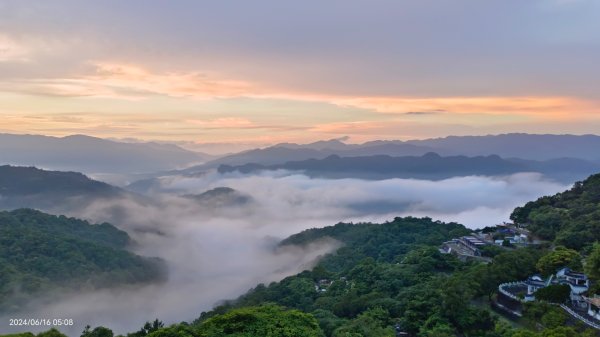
[
  {"x": 511, "y": 145},
  {"x": 428, "y": 166},
  {"x": 54, "y": 191},
  {"x": 89, "y": 154}
]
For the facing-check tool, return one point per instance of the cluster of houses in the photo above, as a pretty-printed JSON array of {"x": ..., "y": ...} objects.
[
  {"x": 586, "y": 309},
  {"x": 517, "y": 239},
  {"x": 465, "y": 246},
  {"x": 578, "y": 282},
  {"x": 469, "y": 247},
  {"x": 506, "y": 234},
  {"x": 579, "y": 305}
]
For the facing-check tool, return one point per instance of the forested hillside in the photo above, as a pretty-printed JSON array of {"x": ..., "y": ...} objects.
[
  {"x": 41, "y": 252},
  {"x": 19, "y": 180},
  {"x": 381, "y": 242},
  {"x": 41, "y": 189},
  {"x": 392, "y": 275},
  {"x": 570, "y": 218}
]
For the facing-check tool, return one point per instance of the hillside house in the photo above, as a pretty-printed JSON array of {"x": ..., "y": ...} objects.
[
  {"x": 514, "y": 293},
  {"x": 578, "y": 282},
  {"x": 534, "y": 283},
  {"x": 463, "y": 247}
]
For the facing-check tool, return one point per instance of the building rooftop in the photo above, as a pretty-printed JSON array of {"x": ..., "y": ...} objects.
[
  {"x": 536, "y": 280},
  {"x": 474, "y": 240},
  {"x": 566, "y": 271}
]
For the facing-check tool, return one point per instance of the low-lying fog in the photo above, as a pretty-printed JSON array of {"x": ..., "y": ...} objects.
[{"x": 217, "y": 250}]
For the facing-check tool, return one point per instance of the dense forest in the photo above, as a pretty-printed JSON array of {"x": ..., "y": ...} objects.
[
  {"x": 22, "y": 181},
  {"x": 390, "y": 278},
  {"x": 570, "y": 218},
  {"x": 40, "y": 252},
  {"x": 22, "y": 187}
]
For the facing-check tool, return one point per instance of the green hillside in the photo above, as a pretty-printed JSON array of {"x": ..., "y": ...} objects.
[
  {"x": 40, "y": 252},
  {"x": 393, "y": 274},
  {"x": 382, "y": 242},
  {"x": 570, "y": 218},
  {"x": 18, "y": 180},
  {"x": 30, "y": 187}
]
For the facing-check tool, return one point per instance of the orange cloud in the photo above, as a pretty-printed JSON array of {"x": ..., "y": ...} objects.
[
  {"x": 132, "y": 82},
  {"x": 348, "y": 127},
  {"x": 223, "y": 123},
  {"x": 114, "y": 80},
  {"x": 557, "y": 107},
  {"x": 125, "y": 78}
]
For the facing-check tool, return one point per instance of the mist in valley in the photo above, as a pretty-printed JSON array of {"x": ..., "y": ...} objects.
[{"x": 218, "y": 247}]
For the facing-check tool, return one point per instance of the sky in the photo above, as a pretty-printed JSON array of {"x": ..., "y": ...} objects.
[{"x": 267, "y": 71}]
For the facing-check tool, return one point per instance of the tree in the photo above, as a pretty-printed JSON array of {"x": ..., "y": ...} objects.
[
  {"x": 592, "y": 263},
  {"x": 555, "y": 293},
  {"x": 328, "y": 321},
  {"x": 24, "y": 334},
  {"x": 97, "y": 332},
  {"x": 177, "y": 330},
  {"x": 147, "y": 329},
  {"x": 455, "y": 299},
  {"x": 558, "y": 258},
  {"x": 51, "y": 333},
  {"x": 560, "y": 332},
  {"x": 371, "y": 323},
  {"x": 440, "y": 330},
  {"x": 524, "y": 333},
  {"x": 264, "y": 321}
]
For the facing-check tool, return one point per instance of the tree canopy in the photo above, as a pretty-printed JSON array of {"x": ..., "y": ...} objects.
[
  {"x": 570, "y": 218},
  {"x": 40, "y": 252}
]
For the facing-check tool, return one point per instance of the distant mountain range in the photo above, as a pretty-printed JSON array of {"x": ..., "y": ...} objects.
[
  {"x": 563, "y": 157},
  {"x": 282, "y": 153},
  {"x": 428, "y": 166},
  {"x": 93, "y": 155},
  {"x": 522, "y": 146},
  {"x": 519, "y": 145}
]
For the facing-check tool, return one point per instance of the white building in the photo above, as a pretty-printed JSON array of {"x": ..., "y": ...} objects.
[
  {"x": 578, "y": 282},
  {"x": 534, "y": 283}
]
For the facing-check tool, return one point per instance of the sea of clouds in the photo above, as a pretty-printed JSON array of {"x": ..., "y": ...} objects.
[{"x": 219, "y": 251}]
